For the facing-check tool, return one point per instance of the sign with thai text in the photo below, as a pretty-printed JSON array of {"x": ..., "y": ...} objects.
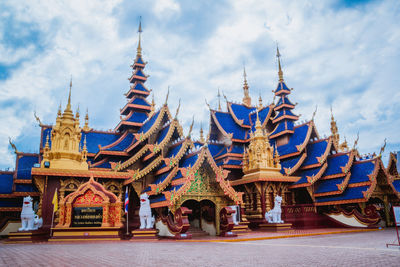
[{"x": 87, "y": 217}]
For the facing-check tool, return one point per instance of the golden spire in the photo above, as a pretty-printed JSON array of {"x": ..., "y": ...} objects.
[
  {"x": 153, "y": 103},
  {"x": 139, "y": 48},
  {"x": 334, "y": 131},
  {"x": 177, "y": 110},
  {"x": 59, "y": 110},
  {"x": 219, "y": 101},
  {"x": 191, "y": 127},
  {"x": 84, "y": 150},
  {"x": 280, "y": 72},
  {"x": 246, "y": 98},
  {"x": 259, "y": 131},
  {"x": 260, "y": 104},
  {"x": 77, "y": 113},
  {"x": 86, "y": 126},
  {"x": 68, "y": 107},
  {"x": 201, "y": 134}
]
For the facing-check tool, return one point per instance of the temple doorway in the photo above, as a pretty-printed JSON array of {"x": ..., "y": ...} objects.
[{"x": 202, "y": 217}]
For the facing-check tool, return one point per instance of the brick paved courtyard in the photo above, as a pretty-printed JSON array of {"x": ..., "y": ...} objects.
[{"x": 351, "y": 249}]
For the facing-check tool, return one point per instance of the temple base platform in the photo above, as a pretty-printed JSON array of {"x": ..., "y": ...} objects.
[
  {"x": 85, "y": 234},
  {"x": 275, "y": 227},
  {"x": 144, "y": 234},
  {"x": 27, "y": 237}
]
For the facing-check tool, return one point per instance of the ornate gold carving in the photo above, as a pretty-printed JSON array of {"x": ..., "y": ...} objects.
[{"x": 246, "y": 98}]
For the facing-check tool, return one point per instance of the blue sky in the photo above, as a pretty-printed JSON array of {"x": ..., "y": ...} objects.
[{"x": 340, "y": 53}]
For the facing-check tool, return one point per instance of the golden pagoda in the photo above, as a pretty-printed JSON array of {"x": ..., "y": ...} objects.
[{"x": 65, "y": 151}]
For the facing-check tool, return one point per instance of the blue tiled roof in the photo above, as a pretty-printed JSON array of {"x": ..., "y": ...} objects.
[
  {"x": 139, "y": 60},
  {"x": 139, "y": 72},
  {"x": 329, "y": 185},
  {"x": 147, "y": 125},
  {"x": 284, "y": 112},
  {"x": 161, "y": 178},
  {"x": 289, "y": 163},
  {"x": 282, "y": 126},
  {"x": 262, "y": 115},
  {"x": 105, "y": 164},
  {"x": 25, "y": 164},
  {"x": 242, "y": 112},
  {"x": 284, "y": 100},
  {"x": 396, "y": 184},
  {"x": 140, "y": 87},
  {"x": 348, "y": 194},
  {"x": 298, "y": 138},
  {"x": 188, "y": 161},
  {"x": 306, "y": 173},
  {"x": 335, "y": 163},
  {"x": 140, "y": 101},
  {"x": 215, "y": 149},
  {"x": 93, "y": 139},
  {"x": 360, "y": 172},
  {"x": 229, "y": 125},
  {"x": 233, "y": 162},
  {"x": 163, "y": 133},
  {"x": 137, "y": 117},
  {"x": 174, "y": 150},
  {"x": 281, "y": 86},
  {"x": 237, "y": 149},
  {"x": 315, "y": 150},
  {"x": 123, "y": 144},
  {"x": 6, "y": 183},
  {"x": 25, "y": 188}
]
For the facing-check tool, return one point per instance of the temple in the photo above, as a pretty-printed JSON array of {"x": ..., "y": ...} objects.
[{"x": 252, "y": 153}]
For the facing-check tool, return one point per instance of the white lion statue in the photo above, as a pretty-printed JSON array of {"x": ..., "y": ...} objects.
[
  {"x": 274, "y": 215},
  {"x": 29, "y": 220},
  {"x": 146, "y": 220}
]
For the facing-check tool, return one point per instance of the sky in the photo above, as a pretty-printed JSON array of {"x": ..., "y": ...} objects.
[{"x": 338, "y": 53}]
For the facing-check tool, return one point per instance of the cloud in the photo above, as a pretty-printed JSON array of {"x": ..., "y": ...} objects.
[{"x": 333, "y": 54}]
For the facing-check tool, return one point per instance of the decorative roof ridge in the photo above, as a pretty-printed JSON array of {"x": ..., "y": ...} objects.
[
  {"x": 290, "y": 171},
  {"x": 319, "y": 140},
  {"x": 340, "y": 187},
  {"x": 239, "y": 122},
  {"x": 95, "y": 164},
  {"x": 392, "y": 161},
  {"x": 141, "y": 173},
  {"x": 302, "y": 146},
  {"x": 312, "y": 179}
]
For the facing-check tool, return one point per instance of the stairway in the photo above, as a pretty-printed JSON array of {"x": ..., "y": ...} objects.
[{"x": 197, "y": 232}]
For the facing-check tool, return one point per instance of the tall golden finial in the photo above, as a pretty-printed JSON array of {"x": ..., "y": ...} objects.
[
  {"x": 246, "y": 97},
  {"x": 84, "y": 150},
  {"x": 260, "y": 104},
  {"x": 177, "y": 110},
  {"x": 166, "y": 98},
  {"x": 356, "y": 141},
  {"x": 280, "y": 72},
  {"x": 68, "y": 108},
  {"x": 382, "y": 148},
  {"x": 59, "y": 110},
  {"x": 12, "y": 145},
  {"x": 201, "y": 134},
  {"x": 219, "y": 100},
  {"x": 334, "y": 131},
  {"x": 86, "y": 127},
  {"x": 77, "y": 112},
  {"x": 139, "y": 48},
  {"x": 315, "y": 112},
  {"x": 191, "y": 127},
  {"x": 153, "y": 103}
]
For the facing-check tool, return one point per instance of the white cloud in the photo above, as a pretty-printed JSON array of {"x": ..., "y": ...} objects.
[{"x": 344, "y": 57}]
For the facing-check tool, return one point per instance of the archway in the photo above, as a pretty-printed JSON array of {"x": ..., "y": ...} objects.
[{"x": 203, "y": 215}]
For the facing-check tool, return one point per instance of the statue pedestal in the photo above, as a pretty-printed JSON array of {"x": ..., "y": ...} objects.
[
  {"x": 71, "y": 234},
  {"x": 241, "y": 228},
  {"x": 27, "y": 237},
  {"x": 144, "y": 234},
  {"x": 275, "y": 227}
]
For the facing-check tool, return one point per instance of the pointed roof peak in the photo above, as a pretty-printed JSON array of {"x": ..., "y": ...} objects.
[
  {"x": 68, "y": 107},
  {"x": 139, "y": 48},
  {"x": 219, "y": 100},
  {"x": 278, "y": 56},
  {"x": 246, "y": 97}
]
